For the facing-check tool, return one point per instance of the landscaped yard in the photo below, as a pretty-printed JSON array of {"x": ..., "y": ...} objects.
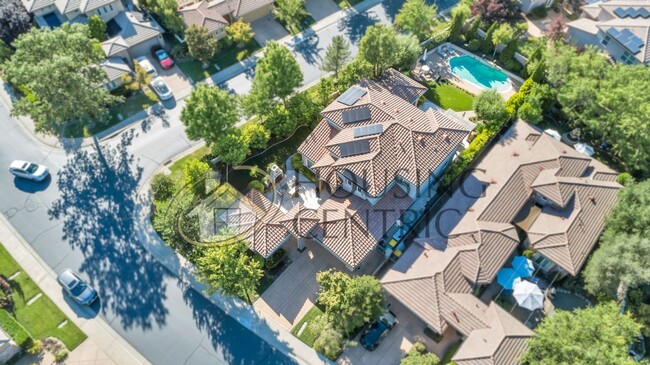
[
  {"x": 42, "y": 318},
  {"x": 177, "y": 167},
  {"x": 309, "y": 334},
  {"x": 225, "y": 57},
  {"x": 448, "y": 96}
]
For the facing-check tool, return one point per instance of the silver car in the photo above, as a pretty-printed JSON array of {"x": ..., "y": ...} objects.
[
  {"x": 160, "y": 87},
  {"x": 28, "y": 170},
  {"x": 81, "y": 292}
]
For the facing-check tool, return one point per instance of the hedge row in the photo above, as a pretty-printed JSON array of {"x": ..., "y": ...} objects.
[{"x": 14, "y": 329}]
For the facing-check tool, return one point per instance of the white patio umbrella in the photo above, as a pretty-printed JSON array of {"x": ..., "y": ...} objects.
[
  {"x": 527, "y": 294},
  {"x": 584, "y": 149},
  {"x": 424, "y": 57},
  {"x": 553, "y": 133}
]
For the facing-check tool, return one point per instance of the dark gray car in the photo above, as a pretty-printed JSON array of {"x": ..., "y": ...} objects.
[{"x": 81, "y": 292}]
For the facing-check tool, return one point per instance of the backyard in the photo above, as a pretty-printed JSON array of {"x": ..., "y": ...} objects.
[
  {"x": 448, "y": 96},
  {"x": 41, "y": 318},
  {"x": 225, "y": 57}
]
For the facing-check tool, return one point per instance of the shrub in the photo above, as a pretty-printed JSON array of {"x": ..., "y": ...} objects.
[
  {"x": 330, "y": 341},
  {"x": 275, "y": 259},
  {"x": 60, "y": 355},
  {"x": 624, "y": 178},
  {"x": 256, "y": 135},
  {"x": 466, "y": 157},
  {"x": 512, "y": 65},
  {"x": 35, "y": 347},
  {"x": 528, "y": 254},
  {"x": 513, "y": 104},
  {"x": 474, "y": 45},
  {"x": 162, "y": 187},
  {"x": 257, "y": 185},
  {"x": 15, "y": 330},
  {"x": 195, "y": 172},
  {"x": 490, "y": 107},
  {"x": 296, "y": 161},
  {"x": 280, "y": 123},
  {"x": 539, "y": 12},
  {"x": 303, "y": 109}
]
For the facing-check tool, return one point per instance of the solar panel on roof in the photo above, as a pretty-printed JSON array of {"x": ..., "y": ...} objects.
[
  {"x": 620, "y": 12},
  {"x": 644, "y": 13},
  {"x": 354, "y": 148},
  {"x": 356, "y": 115},
  {"x": 351, "y": 95},
  {"x": 628, "y": 39},
  {"x": 368, "y": 130}
]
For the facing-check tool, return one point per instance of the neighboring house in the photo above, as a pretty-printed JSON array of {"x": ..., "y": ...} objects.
[
  {"x": 115, "y": 68},
  {"x": 528, "y": 191},
  {"x": 132, "y": 34},
  {"x": 620, "y": 28},
  {"x": 8, "y": 348},
  {"x": 528, "y": 5},
  {"x": 52, "y": 13},
  {"x": 216, "y": 15}
]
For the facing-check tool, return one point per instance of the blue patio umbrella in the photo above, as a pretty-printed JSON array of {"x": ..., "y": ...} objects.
[
  {"x": 523, "y": 266},
  {"x": 506, "y": 277}
]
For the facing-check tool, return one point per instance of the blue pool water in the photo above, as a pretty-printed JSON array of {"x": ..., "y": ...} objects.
[{"x": 484, "y": 76}]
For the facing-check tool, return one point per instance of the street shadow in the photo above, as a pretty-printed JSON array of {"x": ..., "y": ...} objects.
[
  {"x": 97, "y": 207},
  {"x": 354, "y": 26},
  {"x": 392, "y": 7},
  {"x": 308, "y": 48},
  {"x": 254, "y": 350},
  {"x": 30, "y": 186}
]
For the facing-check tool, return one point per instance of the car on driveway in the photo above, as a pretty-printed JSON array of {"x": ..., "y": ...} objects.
[
  {"x": 28, "y": 170},
  {"x": 147, "y": 66},
  {"x": 378, "y": 330},
  {"x": 81, "y": 292},
  {"x": 163, "y": 58},
  {"x": 160, "y": 87}
]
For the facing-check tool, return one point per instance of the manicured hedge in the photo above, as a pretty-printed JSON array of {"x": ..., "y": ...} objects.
[{"x": 14, "y": 329}]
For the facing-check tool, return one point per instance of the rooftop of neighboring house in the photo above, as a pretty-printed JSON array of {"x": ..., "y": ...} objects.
[
  {"x": 218, "y": 13},
  {"x": 127, "y": 29},
  {"x": 626, "y": 22},
  {"x": 66, "y": 6},
  {"x": 473, "y": 235},
  {"x": 115, "y": 67},
  {"x": 373, "y": 133}
]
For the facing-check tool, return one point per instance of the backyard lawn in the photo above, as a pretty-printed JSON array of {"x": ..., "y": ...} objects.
[
  {"x": 42, "y": 318},
  {"x": 448, "y": 96},
  {"x": 225, "y": 57},
  {"x": 309, "y": 334}
]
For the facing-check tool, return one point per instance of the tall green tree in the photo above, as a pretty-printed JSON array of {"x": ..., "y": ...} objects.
[
  {"x": 209, "y": 113},
  {"x": 58, "y": 72},
  {"x": 594, "y": 335},
  {"x": 232, "y": 148},
  {"x": 278, "y": 72},
  {"x": 353, "y": 72},
  {"x": 201, "y": 45},
  {"x": 195, "y": 173},
  {"x": 488, "y": 44},
  {"x": 379, "y": 47},
  {"x": 490, "y": 107},
  {"x": 631, "y": 214},
  {"x": 408, "y": 51},
  {"x": 622, "y": 261},
  {"x": 417, "y": 17},
  {"x": 229, "y": 270},
  {"x": 329, "y": 341},
  {"x": 456, "y": 27},
  {"x": 336, "y": 56},
  {"x": 350, "y": 302},
  {"x": 14, "y": 20},
  {"x": 256, "y": 135},
  {"x": 167, "y": 12},
  {"x": 259, "y": 101},
  {"x": 291, "y": 12},
  {"x": 97, "y": 28},
  {"x": 280, "y": 122}
]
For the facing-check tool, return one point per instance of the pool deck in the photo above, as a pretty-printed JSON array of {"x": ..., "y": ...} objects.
[{"x": 439, "y": 68}]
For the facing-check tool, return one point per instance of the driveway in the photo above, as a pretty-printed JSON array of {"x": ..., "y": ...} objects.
[
  {"x": 398, "y": 342},
  {"x": 176, "y": 80},
  {"x": 320, "y": 9},
  {"x": 267, "y": 29}
]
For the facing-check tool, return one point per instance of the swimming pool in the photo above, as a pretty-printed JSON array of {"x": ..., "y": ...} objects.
[{"x": 478, "y": 73}]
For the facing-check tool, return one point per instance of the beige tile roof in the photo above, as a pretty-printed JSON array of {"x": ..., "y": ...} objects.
[
  {"x": 299, "y": 221},
  {"x": 412, "y": 144},
  {"x": 135, "y": 28},
  {"x": 115, "y": 67},
  {"x": 33, "y": 5},
  {"x": 202, "y": 15}
]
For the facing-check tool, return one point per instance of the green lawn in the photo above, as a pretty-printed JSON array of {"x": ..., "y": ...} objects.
[
  {"x": 309, "y": 335},
  {"x": 42, "y": 318},
  {"x": 448, "y": 96},
  {"x": 134, "y": 104},
  {"x": 450, "y": 353},
  {"x": 345, "y": 4},
  {"x": 177, "y": 167},
  {"x": 225, "y": 57}
]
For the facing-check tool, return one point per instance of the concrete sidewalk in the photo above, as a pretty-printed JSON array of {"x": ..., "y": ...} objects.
[{"x": 100, "y": 335}]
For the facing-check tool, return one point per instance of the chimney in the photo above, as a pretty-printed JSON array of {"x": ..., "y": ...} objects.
[
  {"x": 470, "y": 209},
  {"x": 515, "y": 154},
  {"x": 383, "y": 102}
]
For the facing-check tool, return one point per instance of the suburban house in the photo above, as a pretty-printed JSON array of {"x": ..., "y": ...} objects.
[
  {"x": 216, "y": 15},
  {"x": 115, "y": 68},
  {"x": 132, "y": 34},
  {"x": 376, "y": 156},
  {"x": 529, "y": 192},
  {"x": 52, "y": 13},
  {"x": 619, "y": 27}
]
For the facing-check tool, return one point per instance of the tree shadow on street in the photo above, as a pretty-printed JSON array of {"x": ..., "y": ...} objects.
[
  {"x": 354, "y": 27},
  {"x": 252, "y": 350},
  {"x": 392, "y": 7},
  {"x": 308, "y": 48},
  {"x": 98, "y": 188}
]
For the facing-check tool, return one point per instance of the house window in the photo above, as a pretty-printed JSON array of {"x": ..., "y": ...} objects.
[
  {"x": 627, "y": 58},
  {"x": 104, "y": 8},
  {"x": 605, "y": 40},
  {"x": 110, "y": 6},
  {"x": 99, "y": 12},
  {"x": 308, "y": 163}
]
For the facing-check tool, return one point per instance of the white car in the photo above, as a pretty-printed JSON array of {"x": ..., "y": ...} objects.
[
  {"x": 160, "y": 87},
  {"x": 28, "y": 170},
  {"x": 147, "y": 66}
]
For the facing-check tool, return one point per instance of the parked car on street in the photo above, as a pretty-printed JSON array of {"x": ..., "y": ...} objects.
[
  {"x": 147, "y": 66},
  {"x": 377, "y": 330},
  {"x": 163, "y": 58},
  {"x": 81, "y": 292},
  {"x": 29, "y": 170},
  {"x": 160, "y": 87}
]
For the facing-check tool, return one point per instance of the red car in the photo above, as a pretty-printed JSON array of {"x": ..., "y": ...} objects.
[{"x": 164, "y": 59}]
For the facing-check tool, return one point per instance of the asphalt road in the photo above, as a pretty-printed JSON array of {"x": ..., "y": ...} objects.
[{"x": 82, "y": 218}]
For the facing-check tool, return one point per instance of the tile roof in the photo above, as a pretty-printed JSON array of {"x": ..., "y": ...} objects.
[
  {"x": 34, "y": 5},
  {"x": 115, "y": 67},
  {"x": 135, "y": 28},
  {"x": 413, "y": 143},
  {"x": 236, "y": 8},
  {"x": 202, "y": 15}
]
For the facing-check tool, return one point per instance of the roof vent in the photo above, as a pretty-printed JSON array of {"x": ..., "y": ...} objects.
[
  {"x": 396, "y": 110},
  {"x": 420, "y": 138},
  {"x": 564, "y": 152},
  {"x": 470, "y": 209},
  {"x": 383, "y": 102},
  {"x": 493, "y": 181},
  {"x": 592, "y": 198},
  {"x": 515, "y": 154}
]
